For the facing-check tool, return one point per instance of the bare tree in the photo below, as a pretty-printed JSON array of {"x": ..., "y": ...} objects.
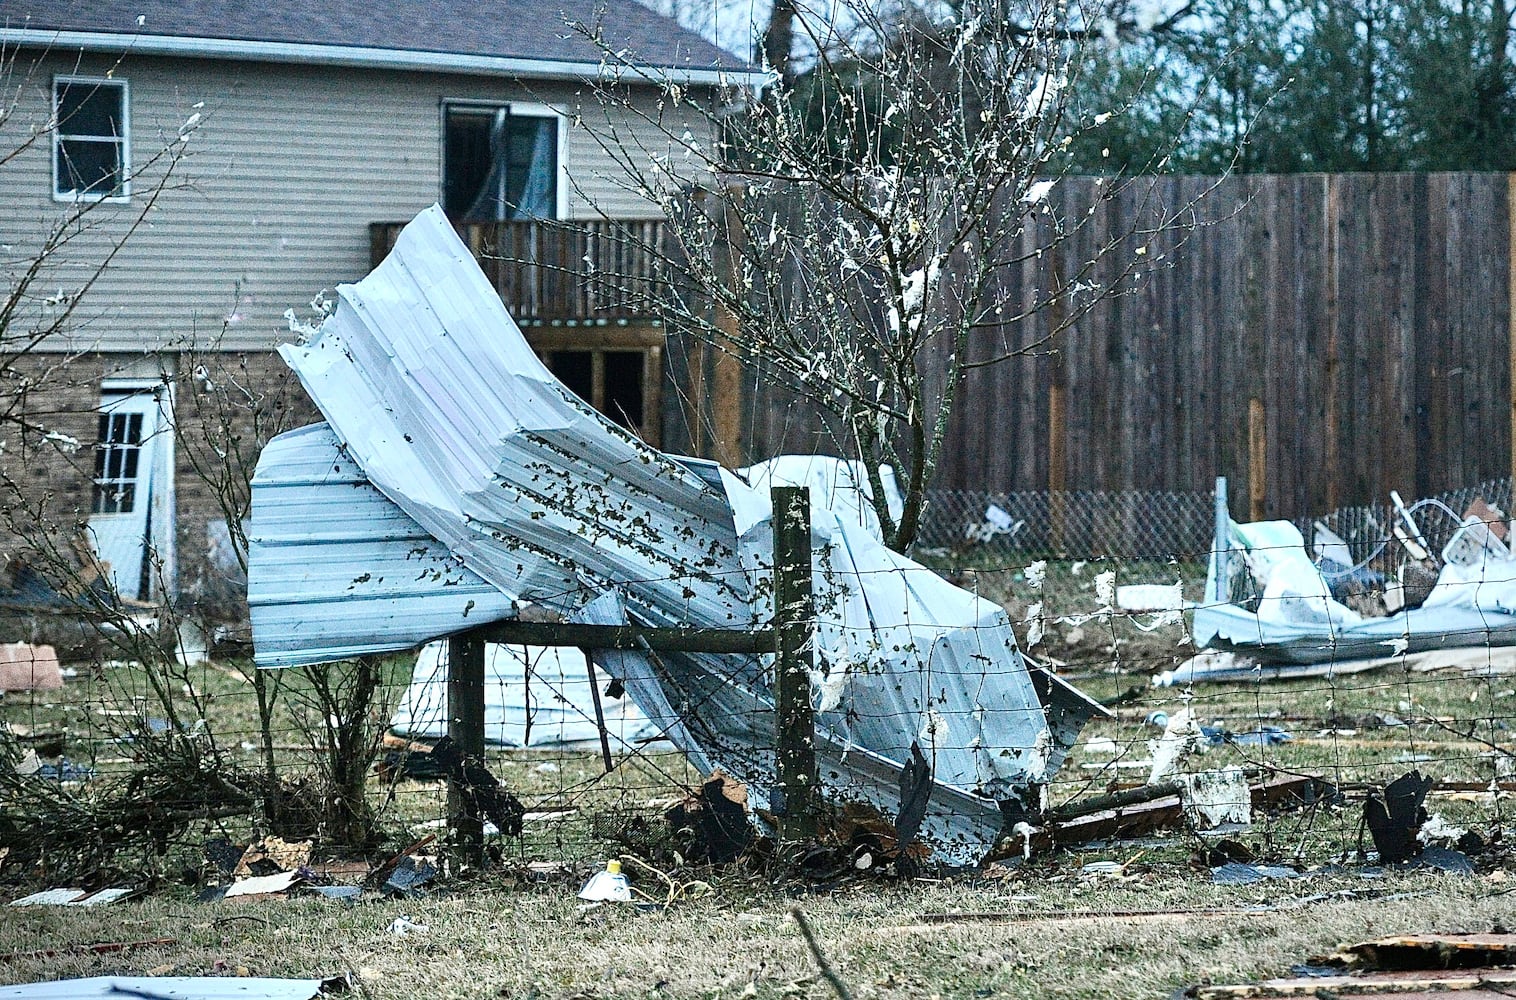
[{"x": 845, "y": 235}]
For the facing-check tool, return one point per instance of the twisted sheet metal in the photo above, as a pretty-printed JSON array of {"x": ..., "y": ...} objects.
[{"x": 432, "y": 392}]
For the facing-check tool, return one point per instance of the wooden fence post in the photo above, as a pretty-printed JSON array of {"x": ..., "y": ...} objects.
[
  {"x": 465, "y": 724},
  {"x": 794, "y": 629},
  {"x": 1258, "y": 461},
  {"x": 1510, "y": 200},
  {"x": 1058, "y": 418}
]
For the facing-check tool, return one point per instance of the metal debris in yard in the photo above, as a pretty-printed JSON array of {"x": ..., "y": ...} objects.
[
  {"x": 457, "y": 481},
  {"x": 1266, "y": 597},
  {"x": 75, "y": 897}
]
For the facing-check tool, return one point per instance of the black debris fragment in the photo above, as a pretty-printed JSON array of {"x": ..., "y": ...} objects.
[
  {"x": 410, "y": 876},
  {"x": 915, "y": 791},
  {"x": 483, "y": 795},
  {"x": 1395, "y": 820},
  {"x": 715, "y": 821}
]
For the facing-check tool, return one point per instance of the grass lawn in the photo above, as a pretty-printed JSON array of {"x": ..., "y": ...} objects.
[{"x": 1045, "y": 928}]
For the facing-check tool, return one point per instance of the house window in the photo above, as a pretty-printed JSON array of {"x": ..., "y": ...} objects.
[
  {"x": 618, "y": 371},
  {"x": 117, "y": 455},
  {"x": 499, "y": 163},
  {"x": 91, "y": 138}
]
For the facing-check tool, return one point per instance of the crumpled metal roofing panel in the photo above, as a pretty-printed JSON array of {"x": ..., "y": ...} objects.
[
  {"x": 336, "y": 570},
  {"x": 437, "y": 398}
]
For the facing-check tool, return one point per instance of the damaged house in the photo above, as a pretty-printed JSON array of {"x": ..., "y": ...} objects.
[{"x": 185, "y": 173}]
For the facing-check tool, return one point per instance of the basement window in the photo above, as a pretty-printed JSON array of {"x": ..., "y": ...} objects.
[{"x": 618, "y": 371}]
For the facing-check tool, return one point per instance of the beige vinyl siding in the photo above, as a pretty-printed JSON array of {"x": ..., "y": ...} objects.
[{"x": 286, "y": 170}]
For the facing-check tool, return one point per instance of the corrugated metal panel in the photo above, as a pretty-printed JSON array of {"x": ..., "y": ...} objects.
[
  {"x": 287, "y": 169},
  {"x": 337, "y": 570},
  {"x": 435, "y": 395}
]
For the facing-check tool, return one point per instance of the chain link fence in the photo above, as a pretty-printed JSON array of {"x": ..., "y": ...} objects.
[{"x": 1079, "y": 524}]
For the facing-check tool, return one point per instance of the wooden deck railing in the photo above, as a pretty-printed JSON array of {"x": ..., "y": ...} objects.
[{"x": 561, "y": 271}]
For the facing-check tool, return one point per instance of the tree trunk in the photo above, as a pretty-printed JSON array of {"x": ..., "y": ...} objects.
[{"x": 779, "y": 37}]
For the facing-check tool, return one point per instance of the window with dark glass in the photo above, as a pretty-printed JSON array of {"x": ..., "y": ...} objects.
[
  {"x": 117, "y": 454},
  {"x": 618, "y": 371},
  {"x": 90, "y": 140},
  {"x": 498, "y": 165}
]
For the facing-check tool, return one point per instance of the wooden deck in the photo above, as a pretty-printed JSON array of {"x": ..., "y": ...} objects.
[{"x": 562, "y": 272}]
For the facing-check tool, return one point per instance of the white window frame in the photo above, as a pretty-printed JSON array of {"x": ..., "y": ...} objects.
[
  {"x": 124, "y": 193},
  {"x": 524, "y": 108}
]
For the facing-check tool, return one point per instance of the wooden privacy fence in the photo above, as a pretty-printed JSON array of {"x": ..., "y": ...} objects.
[{"x": 1318, "y": 339}]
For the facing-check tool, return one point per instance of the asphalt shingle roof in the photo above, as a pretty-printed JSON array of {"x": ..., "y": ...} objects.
[{"x": 526, "y": 29}]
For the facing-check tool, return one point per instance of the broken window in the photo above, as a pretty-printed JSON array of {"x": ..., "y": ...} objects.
[
  {"x": 499, "y": 163},
  {"x": 90, "y": 140}
]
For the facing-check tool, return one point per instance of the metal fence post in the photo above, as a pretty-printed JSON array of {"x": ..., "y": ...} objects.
[
  {"x": 794, "y": 628},
  {"x": 465, "y": 724}
]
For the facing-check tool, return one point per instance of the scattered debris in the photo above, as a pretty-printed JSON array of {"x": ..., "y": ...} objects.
[
  {"x": 1394, "y": 819},
  {"x": 403, "y": 925},
  {"x": 1182, "y": 736},
  {"x": 262, "y": 885},
  {"x": 1238, "y": 873},
  {"x": 915, "y": 793},
  {"x": 1142, "y": 810},
  {"x": 410, "y": 875},
  {"x": 1265, "y": 596},
  {"x": 75, "y": 897},
  {"x": 609, "y": 886},
  {"x": 25, "y": 667},
  {"x": 563, "y": 505},
  {"x": 1216, "y": 799},
  {"x": 712, "y": 825}
]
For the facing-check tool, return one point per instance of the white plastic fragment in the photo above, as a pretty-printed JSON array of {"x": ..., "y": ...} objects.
[
  {"x": 402, "y": 925},
  {"x": 1213, "y": 799}
]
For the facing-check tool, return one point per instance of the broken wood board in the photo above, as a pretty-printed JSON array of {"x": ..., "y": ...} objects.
[
  {"x": 1431, "y": 951},
  {"x": 1483, "y": 984},
  {"x": 1145, "y": 817}
]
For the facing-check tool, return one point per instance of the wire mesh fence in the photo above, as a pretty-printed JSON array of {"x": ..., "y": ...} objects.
[
  {"x": 1079, "y": 524},
  {"x": 598, "y": 772}
]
